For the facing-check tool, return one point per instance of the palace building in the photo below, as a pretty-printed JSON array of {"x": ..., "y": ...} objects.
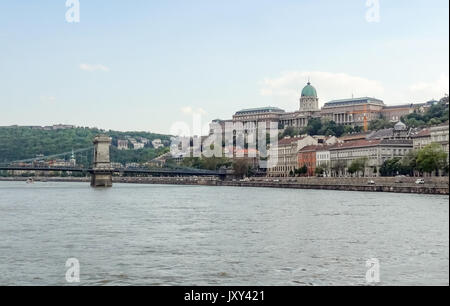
[
  {"x": 256, "y": 115},
  {"x": 334, "y": 156},
  {"x": 352, "y": 112}
]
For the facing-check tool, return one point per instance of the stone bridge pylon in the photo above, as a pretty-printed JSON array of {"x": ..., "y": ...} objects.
[{"x": 101, "y": 173}]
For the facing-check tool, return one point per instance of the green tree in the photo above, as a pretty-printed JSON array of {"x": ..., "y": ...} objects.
[
  {"x": 291, "y": 132},
  {"x": 314, "y": 126},
  {"x": 241, "y": 167},
  {"x": 19, "y": 143},
  {"x": 338, "y": 167},
  {"x": 408, "y": 164},
  {"x": 320, "y": 170},
  {"x": 436, "y": 114},
  {"x": 432, "y": 158},
  {"x": 380, "y": 124},
  {"x": 303, "y": 170},
  {"x": 352, "y": 169},
  {"x": 324, "y": 169},
  {"x": 391, "y": 167},
  {"x": 358, "y": 166},
  {"x": 212, "y": 163}
]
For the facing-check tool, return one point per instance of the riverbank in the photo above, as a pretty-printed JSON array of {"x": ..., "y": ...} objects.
[{"x": 438, "y": 186}]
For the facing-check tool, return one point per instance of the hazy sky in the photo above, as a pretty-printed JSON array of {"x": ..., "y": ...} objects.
[{"x": 142, "y": 65}]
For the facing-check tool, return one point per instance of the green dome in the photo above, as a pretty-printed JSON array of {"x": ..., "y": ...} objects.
[{"x": 309, "y": 91}]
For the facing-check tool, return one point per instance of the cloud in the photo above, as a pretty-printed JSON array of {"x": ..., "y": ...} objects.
[
  {"x": 188, "y": 110},
  {"x": 329, "y": 85},
  {"x": 431, "y": 90},
  {"x": 287, "y": 88},
  {"x": 92, "y": 68}
]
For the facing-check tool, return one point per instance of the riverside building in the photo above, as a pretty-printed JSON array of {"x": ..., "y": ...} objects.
[{"x": 376, "y": 152}]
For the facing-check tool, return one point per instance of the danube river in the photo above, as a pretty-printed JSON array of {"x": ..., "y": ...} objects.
[{"x": 191, "y": 235}]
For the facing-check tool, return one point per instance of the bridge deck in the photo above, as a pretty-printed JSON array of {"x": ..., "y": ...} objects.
[{"x": 122, "y": 171}]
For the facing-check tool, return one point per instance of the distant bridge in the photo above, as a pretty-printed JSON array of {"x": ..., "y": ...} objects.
[
  {"x": 101, "y": 171},
  {"x": 44, "y": 169},
  {"x": 38, "y": 158},
  {"x": 136, "y": 171}
]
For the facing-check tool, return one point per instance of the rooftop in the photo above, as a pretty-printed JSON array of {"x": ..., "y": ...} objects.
[
  {"x": 353, "y": 101},
  {"x": 314, "y": 148},
  {"x": 397, "y": 142},
  {"x": 442, "y": 125},
  {"x": 380, "y": 134},
  {"x": 260, "y": 110},
  {"x": 309, "y": 91},
  {"x": 371, "y": 143},
  {"x": 422, "y": 133},
  {"x": 356, "y": 144},
  {"x": 354, "y": 136},
  {"x": 287, "y": 141},
  {"x": 409, "y": 106}
]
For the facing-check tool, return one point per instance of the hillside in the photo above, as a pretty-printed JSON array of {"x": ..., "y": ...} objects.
[{"x": 18, "y": 143}]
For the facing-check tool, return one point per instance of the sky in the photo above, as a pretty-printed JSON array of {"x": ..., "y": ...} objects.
[{"x": 143, "y": 65}]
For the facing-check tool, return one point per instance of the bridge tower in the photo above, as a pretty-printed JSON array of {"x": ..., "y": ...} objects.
[{"x": 101, "y": 173}]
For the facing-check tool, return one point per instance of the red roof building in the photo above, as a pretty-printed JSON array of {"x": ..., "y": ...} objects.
[{"x": 307, "y": 157}]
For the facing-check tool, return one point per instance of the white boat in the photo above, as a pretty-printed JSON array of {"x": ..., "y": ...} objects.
[{"x": 30, "y": 181}]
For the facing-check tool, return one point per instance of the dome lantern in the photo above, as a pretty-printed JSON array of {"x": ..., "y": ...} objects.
[{"x": 400, "y": 126}]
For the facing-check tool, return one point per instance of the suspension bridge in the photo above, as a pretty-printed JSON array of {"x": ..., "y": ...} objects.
[
  {"x": 48, "y": 157},
  {"x": 101, "y": 171}
]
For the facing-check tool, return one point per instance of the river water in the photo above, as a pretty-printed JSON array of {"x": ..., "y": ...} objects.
[{"x": 191, "y": 235}]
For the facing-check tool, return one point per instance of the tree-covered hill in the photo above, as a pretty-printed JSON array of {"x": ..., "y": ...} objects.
[
  {"x": 19, "y": 143},
  {"x": 435, "y": 115}
]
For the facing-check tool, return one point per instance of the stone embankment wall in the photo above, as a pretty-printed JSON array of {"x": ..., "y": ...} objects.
[
  {"x": 436, "y": 185},
  {"x": 396, "y": 185}
]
